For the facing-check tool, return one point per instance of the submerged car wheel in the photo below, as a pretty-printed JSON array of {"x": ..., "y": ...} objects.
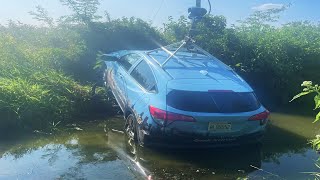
[
  {"x": 133, "y": 130},
  {"x": 131, "y": 127}
]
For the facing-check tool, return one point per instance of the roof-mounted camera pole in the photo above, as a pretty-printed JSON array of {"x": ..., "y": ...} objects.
[
  {"x": 195, "y": 15},
  {"x": 198, "y": 3}
]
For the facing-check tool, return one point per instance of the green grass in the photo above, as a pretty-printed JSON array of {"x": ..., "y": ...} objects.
[{"x": 36, "y": 89}]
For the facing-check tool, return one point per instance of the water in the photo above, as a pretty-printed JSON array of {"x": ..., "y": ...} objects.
[{"x": 101, "y": 151}]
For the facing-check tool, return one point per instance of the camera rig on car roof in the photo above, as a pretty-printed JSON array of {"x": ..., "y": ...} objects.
[{"x": 195, "y": 15}]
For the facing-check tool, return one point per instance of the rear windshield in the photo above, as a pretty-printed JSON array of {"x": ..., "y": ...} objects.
[{"x": 213, "y": 102}]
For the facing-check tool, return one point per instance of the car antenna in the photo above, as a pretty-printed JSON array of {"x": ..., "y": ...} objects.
[{"x": 195, "y": 15}]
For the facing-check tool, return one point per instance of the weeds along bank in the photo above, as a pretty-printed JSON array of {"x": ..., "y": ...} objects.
[{"x": 37, "y": 90}]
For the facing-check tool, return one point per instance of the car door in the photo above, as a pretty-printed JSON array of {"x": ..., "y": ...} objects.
[
  {"x": 121, "y": 75},
  {"x": 142, "y": 85}
]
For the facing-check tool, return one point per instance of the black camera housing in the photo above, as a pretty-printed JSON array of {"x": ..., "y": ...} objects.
[{"x": 196, "y": 13}]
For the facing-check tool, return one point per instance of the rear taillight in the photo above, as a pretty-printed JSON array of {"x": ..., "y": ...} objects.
[
  {"x": 157, "y": 113},
  {"x": 179, "y": 117},
  {"x": 162, "y": 116},
  {"x": 261, "y": 116}
]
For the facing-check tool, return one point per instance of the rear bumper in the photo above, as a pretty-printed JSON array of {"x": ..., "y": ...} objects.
[{"x": 178, "y": 141}]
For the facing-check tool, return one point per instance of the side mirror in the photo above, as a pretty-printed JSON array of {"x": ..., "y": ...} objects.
[{"x": 109, "y": 57}]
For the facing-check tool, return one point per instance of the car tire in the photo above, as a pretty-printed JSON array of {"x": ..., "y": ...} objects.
[
  {"x": 134, "y": 131},
  {"x": 130, "y": 127},
  {"x": 140, "y": 137}
]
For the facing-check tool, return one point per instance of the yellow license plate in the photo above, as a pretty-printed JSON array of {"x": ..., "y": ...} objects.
[{"x": 219, "y": 126}]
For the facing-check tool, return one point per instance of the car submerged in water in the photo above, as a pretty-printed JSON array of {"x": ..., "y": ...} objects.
[{"x": 183, "y": 97}]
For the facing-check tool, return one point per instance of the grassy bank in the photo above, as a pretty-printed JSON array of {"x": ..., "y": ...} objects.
[{"x": 37, "y": 89}]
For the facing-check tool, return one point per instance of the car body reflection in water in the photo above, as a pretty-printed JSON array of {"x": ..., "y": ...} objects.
[
  {"x": 185, "y": 164},
  {"x": 101, "y": 151}
]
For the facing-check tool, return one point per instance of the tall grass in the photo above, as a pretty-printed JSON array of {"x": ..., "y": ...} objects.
[{"x": 36, "y": 89}]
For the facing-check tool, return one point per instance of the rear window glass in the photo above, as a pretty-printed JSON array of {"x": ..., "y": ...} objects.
[
  {"x": 143, "y": 74},
  {"x": 213, "y": 102},
  {"x": 129, "y": 60}
]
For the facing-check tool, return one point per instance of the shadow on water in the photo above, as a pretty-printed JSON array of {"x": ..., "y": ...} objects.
[{"x": 102, "y": 151}]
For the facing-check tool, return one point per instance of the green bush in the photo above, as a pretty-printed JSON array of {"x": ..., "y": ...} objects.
[{"x": 36, "y": 86}]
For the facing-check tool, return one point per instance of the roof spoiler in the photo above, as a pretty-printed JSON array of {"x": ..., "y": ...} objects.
[{"x": 110, "y": 57}]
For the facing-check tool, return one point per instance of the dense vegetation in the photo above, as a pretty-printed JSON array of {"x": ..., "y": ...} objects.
[
  {"x": 36, "y": 87},
  {"x": 46, "y": 72}
]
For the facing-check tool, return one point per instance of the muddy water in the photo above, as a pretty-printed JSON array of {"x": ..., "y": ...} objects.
[{"x": 97, "y": 150}]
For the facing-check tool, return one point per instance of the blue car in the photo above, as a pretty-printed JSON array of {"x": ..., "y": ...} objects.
[{"x": 183, "y": 97}]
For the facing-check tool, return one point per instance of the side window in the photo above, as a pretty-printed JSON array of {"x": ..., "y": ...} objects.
[
  {"x": 128, "y": 61},
  {"x": 143, "y": 74}
]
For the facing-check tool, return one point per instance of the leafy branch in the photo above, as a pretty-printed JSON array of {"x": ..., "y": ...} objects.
[{"x": 309, "y": 88}]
